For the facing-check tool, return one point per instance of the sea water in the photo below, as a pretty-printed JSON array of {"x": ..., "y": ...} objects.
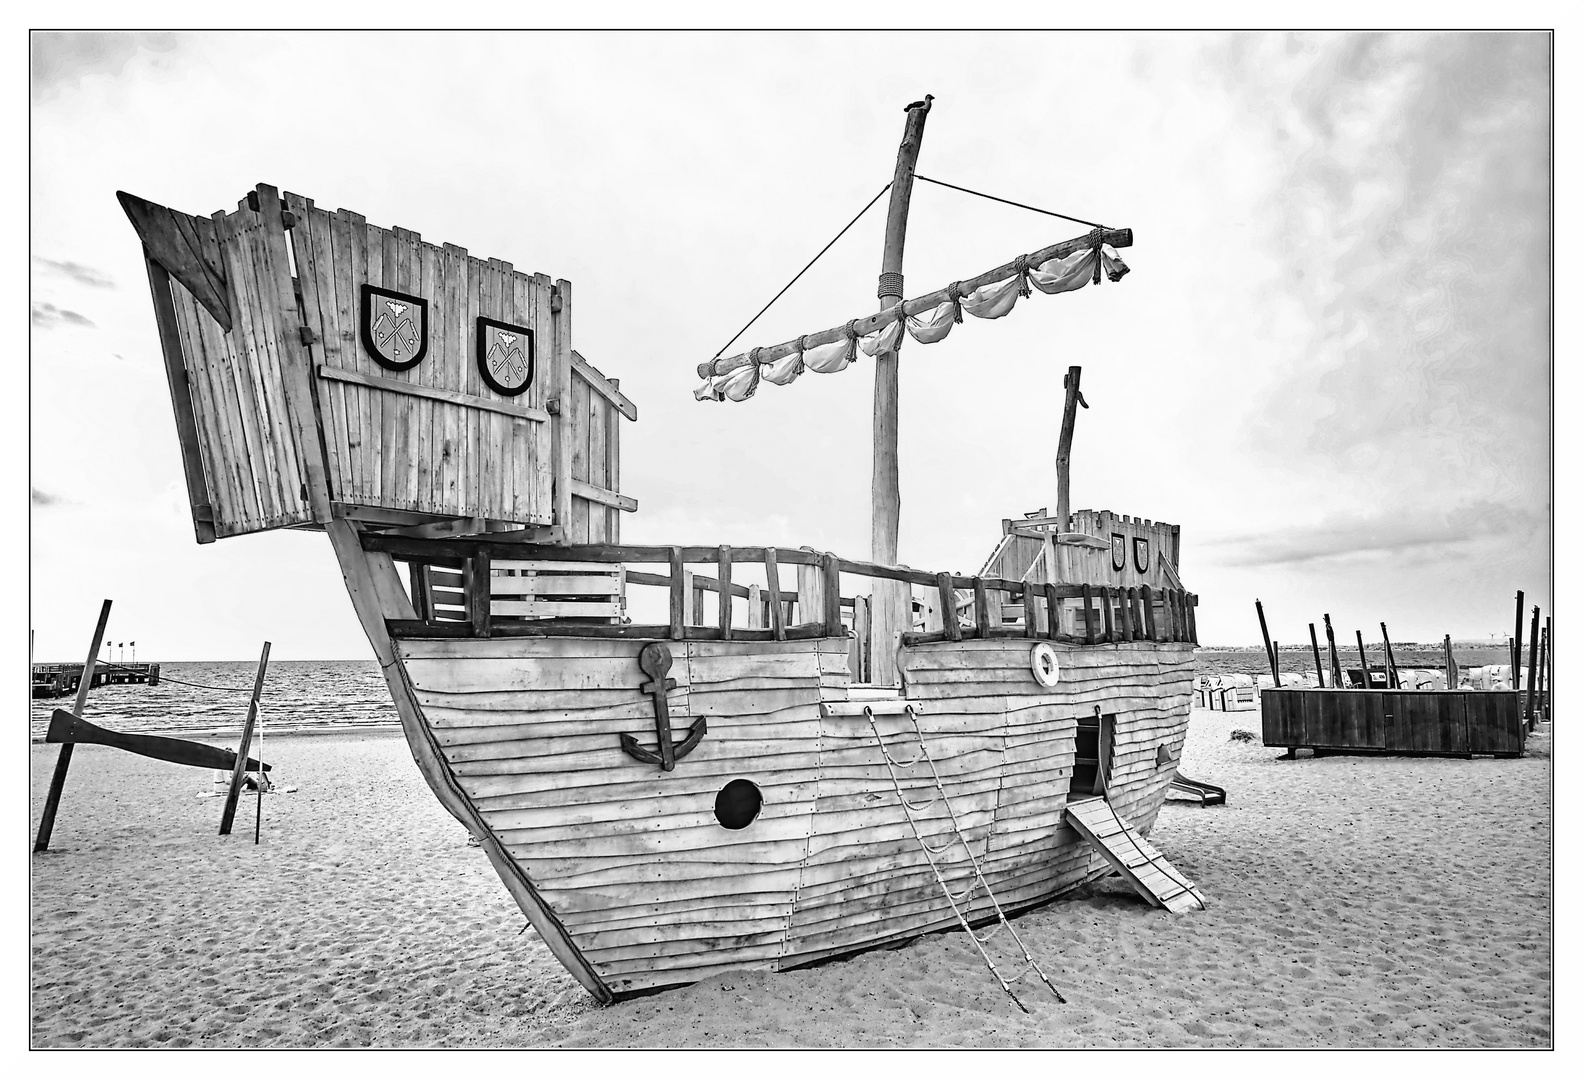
[{"x": 299, "y": 695}]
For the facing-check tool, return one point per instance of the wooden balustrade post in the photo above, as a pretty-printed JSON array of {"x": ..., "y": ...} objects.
[
  {"x": 724, "y": 563},
  {"x": 1363, "y": 658},
  {"x": 1192, "y": 619},
  {"x": 980, "y": 609},
  {"x": 832, "y": 597},
  {"x": 679, "y": 585},
  {"x": 1030, "y": 610},
  {"x": 951, "y": 624},
  {"x": 773, "y": 583},
  {"x": 1151, "y": 629},
  {"x": 1110, "y": 613},
  {"x": 478, "y": 591},
  {"x": 1052, "y": 608},
  {"x": 1088, "y": 614}
]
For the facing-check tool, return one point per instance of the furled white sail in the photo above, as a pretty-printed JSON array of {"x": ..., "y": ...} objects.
[{"x": 926, "y": 321}]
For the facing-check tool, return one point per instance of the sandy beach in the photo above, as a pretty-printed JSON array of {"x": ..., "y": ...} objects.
[{"x": 1353, "y": 902}]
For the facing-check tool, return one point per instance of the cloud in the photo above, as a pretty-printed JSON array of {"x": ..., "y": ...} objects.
[
  {"x": 83, "y": 275},
  {"x": 62, "y": 59},
  {"x": 1389, "y": 532},
  {"x": 49, "y": 316},
  {"x": 44, "y": 498},
  {"x": 1411, "y": 215}
]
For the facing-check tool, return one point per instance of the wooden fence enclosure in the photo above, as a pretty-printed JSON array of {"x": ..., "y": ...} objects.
[{"x": 1436, "y": 722}]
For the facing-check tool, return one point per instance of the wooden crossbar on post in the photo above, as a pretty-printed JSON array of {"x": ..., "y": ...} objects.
[
  {"x": 228, "y": 815},
  {"x": 57, "y": 784}
]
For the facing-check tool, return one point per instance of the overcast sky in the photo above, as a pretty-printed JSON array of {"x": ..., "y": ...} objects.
[{"x": 1330, "y": 365}]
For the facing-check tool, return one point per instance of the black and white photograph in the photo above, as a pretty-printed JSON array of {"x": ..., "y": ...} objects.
[{"x": 705, "y": 539}]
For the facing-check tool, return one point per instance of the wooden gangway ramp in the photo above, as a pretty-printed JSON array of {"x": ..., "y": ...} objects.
[{"x": 1145, "y": 869}]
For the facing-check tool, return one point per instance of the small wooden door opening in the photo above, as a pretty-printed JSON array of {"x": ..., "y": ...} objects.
[{"x": 1091, "y": 772}]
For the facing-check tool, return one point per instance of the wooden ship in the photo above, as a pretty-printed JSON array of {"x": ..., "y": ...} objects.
[{"x": 709, "y": 789}]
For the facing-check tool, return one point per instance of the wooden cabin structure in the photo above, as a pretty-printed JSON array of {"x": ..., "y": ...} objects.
[{"x": 295, "y": 406}]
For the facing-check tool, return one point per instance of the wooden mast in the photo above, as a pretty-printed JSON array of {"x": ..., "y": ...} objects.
[
  {"x": 1063, "y": 451},
  {"x": 891, "y": 613}
]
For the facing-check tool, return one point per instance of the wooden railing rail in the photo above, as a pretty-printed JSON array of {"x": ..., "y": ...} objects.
[{"x": 454, "y": 574}]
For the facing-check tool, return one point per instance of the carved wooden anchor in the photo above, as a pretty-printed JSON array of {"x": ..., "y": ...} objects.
[{"x": 655, "y": 660}]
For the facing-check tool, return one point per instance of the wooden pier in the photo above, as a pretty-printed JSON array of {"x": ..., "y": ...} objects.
[{"x": 59, "y": 680}]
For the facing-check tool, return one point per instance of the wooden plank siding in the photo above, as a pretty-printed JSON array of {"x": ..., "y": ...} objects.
[
  {"x": 291, "y": 415},
  {"x": 653, "y": 891},
  {"x": 1438, "y": 722}
]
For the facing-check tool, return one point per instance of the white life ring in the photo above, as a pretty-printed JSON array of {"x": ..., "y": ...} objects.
[{"x": 1046, "y": 665}]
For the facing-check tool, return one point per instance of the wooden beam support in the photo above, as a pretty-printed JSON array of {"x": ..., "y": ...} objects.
[
  {"x": 1151, "y": 628},
  {"x": 57, "y": 783},
  {"x": 1107, "y": 598},
  {"x": 604, "y": 387},
  {"x": 1319, "y": 666},
  {"x": 1052, "y": 607},
  {"x": 980, "y": 609},
  {"x": 1088, "y": 615}
]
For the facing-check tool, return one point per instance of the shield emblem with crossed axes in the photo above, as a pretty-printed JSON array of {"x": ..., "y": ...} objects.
[
  {"x": 395, "y": 327},
  {"x": 505, "y": 356},
  {"x": 1118, "y": 551}
]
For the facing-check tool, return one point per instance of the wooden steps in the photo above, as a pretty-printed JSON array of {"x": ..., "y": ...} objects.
[{"x": 1145, "y": 869}]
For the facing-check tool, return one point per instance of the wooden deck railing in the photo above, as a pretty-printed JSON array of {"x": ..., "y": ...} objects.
[{"x": 452, "y": 594}]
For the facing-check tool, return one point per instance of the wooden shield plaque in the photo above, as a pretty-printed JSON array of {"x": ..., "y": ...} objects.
[
  {"x": 395, "y": 327},
  {"x": 505, "y": 356},
  {"x": 1118, "y": 551}
]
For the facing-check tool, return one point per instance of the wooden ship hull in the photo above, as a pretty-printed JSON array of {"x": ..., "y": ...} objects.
[{"x": 601, "y": 761}]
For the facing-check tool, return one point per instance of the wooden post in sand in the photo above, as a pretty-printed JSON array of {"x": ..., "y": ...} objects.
[
  {"x": 1533, "y": 668},
  {"x": 890, "y": 611},
  {"x": 1335, "y": 661},
  {"x": 1392, "y": 679},
  {"x": 1319, "y": 668},
  {"x": 228, "y": 815},
  {"x": 1517, "y": 643},
  {"x": 1269, "y": 650},
  {"x": 57, "y": 784},
  {"x": 1363, "y": 657}
]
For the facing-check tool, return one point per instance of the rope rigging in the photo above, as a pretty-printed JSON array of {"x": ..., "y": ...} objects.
[
  {"x": 800, "y": 273},
  {"x": 1008, "y": 202}
]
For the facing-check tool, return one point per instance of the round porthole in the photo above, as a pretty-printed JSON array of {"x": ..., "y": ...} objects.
[
  {"x": 738, "y": 804},
  {"x": 1045, "y": 664}
]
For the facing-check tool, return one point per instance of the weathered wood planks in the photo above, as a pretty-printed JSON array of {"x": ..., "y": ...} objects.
[{"x": 654, "y": 892}]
